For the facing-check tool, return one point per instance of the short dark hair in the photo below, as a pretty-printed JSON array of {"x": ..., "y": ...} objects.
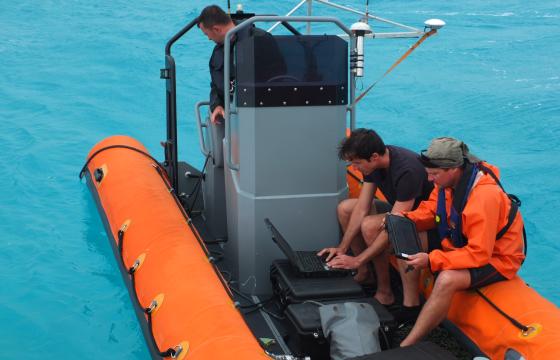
[
  {"x": 213, "y": 15},
  {"x": 361, "y": 144}
]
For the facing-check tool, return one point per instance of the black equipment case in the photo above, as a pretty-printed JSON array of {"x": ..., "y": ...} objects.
[
  {"x": 421, "y": 351},
  {"x": 302, "y": 297},
  {"x": 307, "y": 321},
  {"x": 290, "y": 288}
]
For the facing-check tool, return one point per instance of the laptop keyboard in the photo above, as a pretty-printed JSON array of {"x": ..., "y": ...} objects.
[{"x": 310, "y": 261}]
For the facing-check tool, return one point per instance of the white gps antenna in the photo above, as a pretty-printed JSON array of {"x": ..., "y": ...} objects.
[
  {"x": 359, "y": 29},
  {"x": 434, "y": 24}
]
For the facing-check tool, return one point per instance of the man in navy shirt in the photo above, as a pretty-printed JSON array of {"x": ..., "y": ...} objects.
[
  {"x": 402, "y": 179},
  {"x": 215, "y": 24}
]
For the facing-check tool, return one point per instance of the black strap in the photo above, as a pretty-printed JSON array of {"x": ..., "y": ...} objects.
[
  {"x": 511, "y": 216},
  {"x": 169, "y": 352},
  {"x": 354, "y": 176},
  {"x": 524, "y": 244},
  {"x": 460, "y": 192},
  {"x": 120, "y": 235},
  {"x": 489, "y": 171},
  {"x": 83, "y": 171},
  {"x": 515, "y": 323},
  {"x": 514, "y": 208},
  {"x": 197, "y": 187}
]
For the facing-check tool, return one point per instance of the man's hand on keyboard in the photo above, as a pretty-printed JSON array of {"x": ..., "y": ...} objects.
[
  {"x": 344, "y": 262},
  {"x": 329, "y": 253}
]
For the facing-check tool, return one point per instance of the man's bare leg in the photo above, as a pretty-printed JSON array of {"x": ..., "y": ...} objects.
[
  {"x": 344, "y": 211},
  {"x": 378, "y": 242},
  {"x": 435, "y": 310},
  {"x": 384, "y": 292},
  {"x": 363, "y": 274},
  {"x": 410, "y": 285},
  {"x": 410, "y": 278}
]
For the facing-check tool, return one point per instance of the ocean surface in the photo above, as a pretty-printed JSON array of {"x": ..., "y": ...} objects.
[{"x": 75, "y": 72}]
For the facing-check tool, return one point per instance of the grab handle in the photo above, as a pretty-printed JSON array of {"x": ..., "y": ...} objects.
[{"x": 200, "y": 125}]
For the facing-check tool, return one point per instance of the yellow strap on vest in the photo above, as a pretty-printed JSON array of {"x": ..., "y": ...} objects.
[{"x": 409, "y": 51}]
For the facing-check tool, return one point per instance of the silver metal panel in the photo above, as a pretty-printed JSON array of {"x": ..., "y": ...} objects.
[
  {"x": 291, "y": 150},
  {"x": 289, "y": 172},
  {"x": 307, "y": 222},
  {"x": 213, "y": 185},
  {"x": 213, "y": 189}
]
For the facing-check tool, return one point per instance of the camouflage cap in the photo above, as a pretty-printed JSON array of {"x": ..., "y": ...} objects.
[{"x": 447, "y": 152}]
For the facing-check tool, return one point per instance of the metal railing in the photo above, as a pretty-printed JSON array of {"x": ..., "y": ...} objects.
[
  {"x": 410, "y": 31},
  {"x": 200, "y": 125}
]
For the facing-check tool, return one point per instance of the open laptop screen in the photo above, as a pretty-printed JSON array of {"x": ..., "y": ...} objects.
[{"x": 282, "y": 243}]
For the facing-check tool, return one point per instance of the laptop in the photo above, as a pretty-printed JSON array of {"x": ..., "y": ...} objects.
[
  {"x": 307, "y": 263},
  {"x": 403, "y": 236}
]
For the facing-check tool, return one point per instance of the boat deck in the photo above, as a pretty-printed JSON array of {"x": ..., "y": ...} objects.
[{"x": 265, "y": 315}]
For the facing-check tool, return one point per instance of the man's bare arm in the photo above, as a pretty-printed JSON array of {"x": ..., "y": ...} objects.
[{"x": 360, "y": 211}]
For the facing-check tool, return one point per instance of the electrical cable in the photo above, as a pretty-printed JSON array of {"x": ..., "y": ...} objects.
[
  {"x": 412, "y": 48},
  {"x": 197, "y": 187}
]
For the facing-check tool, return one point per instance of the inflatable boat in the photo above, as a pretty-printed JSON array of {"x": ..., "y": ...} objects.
[{"x": 192, "y": 244}]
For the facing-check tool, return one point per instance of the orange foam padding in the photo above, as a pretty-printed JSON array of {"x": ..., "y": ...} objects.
[
  {"x": 196, "y": 306},
  {"x": 354, "y": 185},
  {"x": 492, "y": 332}
]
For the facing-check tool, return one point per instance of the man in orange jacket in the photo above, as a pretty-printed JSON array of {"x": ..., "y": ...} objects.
[{"x": 480, "y": 229}]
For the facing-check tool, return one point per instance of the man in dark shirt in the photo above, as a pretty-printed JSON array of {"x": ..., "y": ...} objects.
[
  {"x": 402, "y": 179},
  {"x": 215, "y": 24}
]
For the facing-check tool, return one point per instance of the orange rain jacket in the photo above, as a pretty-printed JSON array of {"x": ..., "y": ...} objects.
[{"x": 485, "y": 214}]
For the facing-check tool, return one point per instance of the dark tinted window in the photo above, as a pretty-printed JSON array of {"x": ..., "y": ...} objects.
[{"x": 286, "y": 60}]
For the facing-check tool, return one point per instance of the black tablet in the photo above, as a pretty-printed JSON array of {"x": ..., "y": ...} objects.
[{"x": 403, "y": 236}]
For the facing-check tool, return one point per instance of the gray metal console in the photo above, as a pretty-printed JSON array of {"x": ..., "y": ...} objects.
[{"x": 280, "y": 149}]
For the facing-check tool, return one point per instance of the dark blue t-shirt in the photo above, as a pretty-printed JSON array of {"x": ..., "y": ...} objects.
[{"x": 405, "y": 179}]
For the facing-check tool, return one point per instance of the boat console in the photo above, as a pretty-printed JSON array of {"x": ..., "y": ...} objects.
[{"x": 280, "y": 148}]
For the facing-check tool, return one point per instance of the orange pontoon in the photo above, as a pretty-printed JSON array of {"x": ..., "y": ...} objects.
[{"x": 192, "y": 309}]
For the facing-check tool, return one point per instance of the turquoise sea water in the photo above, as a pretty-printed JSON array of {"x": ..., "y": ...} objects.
[{"x": 75, "y": 72}]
